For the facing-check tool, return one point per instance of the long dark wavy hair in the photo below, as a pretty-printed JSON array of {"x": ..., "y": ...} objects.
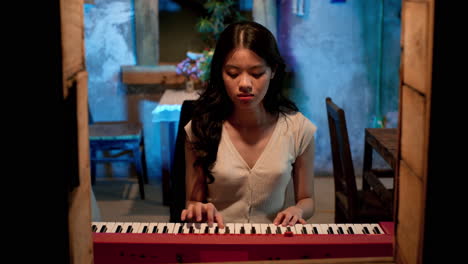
[{"x": 214, "y": 105}]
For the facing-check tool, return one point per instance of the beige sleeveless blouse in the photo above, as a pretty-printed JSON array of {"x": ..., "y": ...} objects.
[{"x": 255, "y": 195}]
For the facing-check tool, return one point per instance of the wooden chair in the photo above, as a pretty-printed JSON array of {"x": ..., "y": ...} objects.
[
  {"x": 123, "y": 138},
  {"x": 351, "y": 205},
  {"x": 177, "y": 179}
]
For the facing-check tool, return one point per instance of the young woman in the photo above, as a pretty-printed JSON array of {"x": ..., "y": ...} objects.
[{"x": 248, "y": 146}]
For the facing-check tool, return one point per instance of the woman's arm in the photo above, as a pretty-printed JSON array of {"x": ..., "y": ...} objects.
[
  {"x": 196, "y": 187},
  {"x": 303, "y": 177}
]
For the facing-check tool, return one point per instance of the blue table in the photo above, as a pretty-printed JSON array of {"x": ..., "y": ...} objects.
[{"x": 167, "y": 115}]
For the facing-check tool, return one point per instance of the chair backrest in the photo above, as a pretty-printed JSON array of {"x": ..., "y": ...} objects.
[
  {"x": 177, "y": 179},
  {"x": 343, "y": 170}
]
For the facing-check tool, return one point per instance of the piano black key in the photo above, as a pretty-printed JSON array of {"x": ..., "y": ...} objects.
[
  {"x": 180, "y": 229},
  {"x": 315, "y": 230},
  {"x": 278, "y": 230},
  {"x": 103, "y": 229},
  {"x": 119, "y": 229},
  {"x": 330, "y": 230},
  {"x": 289, "y": 229},
  {"x": 191, "y": 230},
  {"x": 340, "y": 230},
  {"x": 145, "y": 229},
  {"x": 268, "y": 230},
  {"x": 242, "y": 230},
  {"x": 366, "y": 230},
  {"x": 155, "y": 229},
  {"x": 350, "y": 231},
  {"x": 227, "y": 230},
  {"x": 253, "y": 231},
  {"x": 216, "y": 230},
  {"x": 376, "y": 230},
  {"x": 129, "y": 229},
  {"x": 94, "y": 228},
  {"x": 207, "y": 230},
  {"x": 304, "y": 230}
]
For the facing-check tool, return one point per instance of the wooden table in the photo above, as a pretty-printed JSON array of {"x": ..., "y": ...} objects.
[{"x": 384, "y": 141}]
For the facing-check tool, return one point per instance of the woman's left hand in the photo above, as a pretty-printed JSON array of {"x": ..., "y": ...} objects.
[{"x": 290, "y": 216}]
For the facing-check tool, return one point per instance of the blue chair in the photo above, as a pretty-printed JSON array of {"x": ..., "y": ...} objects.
[{"x": 125, "y": 140}]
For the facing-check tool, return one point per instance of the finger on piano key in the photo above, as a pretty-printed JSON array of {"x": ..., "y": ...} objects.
[
  {"x": 377, "y": 229},
  {"x": 203, "y": 229}
]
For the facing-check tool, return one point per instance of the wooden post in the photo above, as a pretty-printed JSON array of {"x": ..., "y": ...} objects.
[{"x": 147, "y": 32}]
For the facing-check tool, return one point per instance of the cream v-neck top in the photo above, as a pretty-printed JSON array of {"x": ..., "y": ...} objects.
[{"x": 255, "y": 195}]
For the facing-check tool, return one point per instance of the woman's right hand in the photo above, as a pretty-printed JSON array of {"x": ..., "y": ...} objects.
[{"x": 206, "y": 212}]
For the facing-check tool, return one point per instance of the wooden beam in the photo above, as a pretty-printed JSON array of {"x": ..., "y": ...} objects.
[
  {"x": 147, "y": 32},
  {"x": 161, "y": 74}
]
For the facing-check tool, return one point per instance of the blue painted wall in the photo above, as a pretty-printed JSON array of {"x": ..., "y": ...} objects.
[{"x": 333, "y": 51}]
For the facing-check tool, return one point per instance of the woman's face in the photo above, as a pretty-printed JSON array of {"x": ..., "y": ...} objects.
[{"x": 246, "y": 78}]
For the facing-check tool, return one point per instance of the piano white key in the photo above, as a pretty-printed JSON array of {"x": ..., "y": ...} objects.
[
  {"x": 334, "y": 228},
  {"x": 358, "y": 228},
  {"x": 135, "y": 227},
  {"x": 377, "y": 226},
  {"x": 109, "y": 226},
  {"x": 239, "y": 228},
  {"x": 97, "y": 226},
  {"x": 317, "y": 229},
  {"x": 263, "y": 229},
  {"x": 324, "y": 228},
  {"x": 143, "y": 228},
  {"x": 352, "y": 227},
  {"x": 256, "y": 229},
  {"x": 293, "y": 229},
  {"x": 164, "y": 228},
  {"x": 176, "y": 229},
  {"x": 229, "y": 228},
  {"x": 127, "y": 228},
  {"x": 369, "y": 228},
  {"x": 201, "y": 228},
  {"x": 117, "y": 225},
  {"x": 152, "y": 228},
  {"x": 274, "y": 229}
]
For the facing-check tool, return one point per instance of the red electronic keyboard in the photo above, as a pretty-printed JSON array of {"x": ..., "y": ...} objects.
[{"x": 121, "y": 242}]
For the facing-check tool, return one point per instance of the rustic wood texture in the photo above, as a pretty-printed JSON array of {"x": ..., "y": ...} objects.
[
  {"x": 385, "y": 142},
  {"x": 81, "y": 243},
  {"x": 413, "y": 130},
  {"x": 72, "y": 40},
  {"x": 147, "y": 31},
  {"x": 415, "y": 97},
  {"x": 415, "y": 43}
]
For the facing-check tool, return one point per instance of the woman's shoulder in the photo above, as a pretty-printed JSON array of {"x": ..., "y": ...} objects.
[{"x": 299, "y": 121}]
